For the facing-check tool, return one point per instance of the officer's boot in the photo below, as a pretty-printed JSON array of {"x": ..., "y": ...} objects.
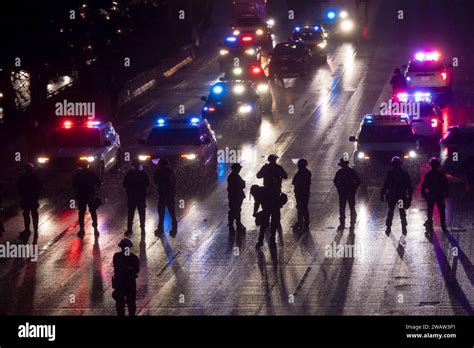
[{"x": 342, "y": 225}]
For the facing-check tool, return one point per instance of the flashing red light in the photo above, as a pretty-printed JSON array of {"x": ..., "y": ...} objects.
[
  {"x": 67, "y": 124},
  {"x": 434, "y": 123},
  {"x": 247, "y": 38},
  {"x": 444, "y": 76},
  {"x": 445, "y": 152},
  {"x": 256, "y": 70}
]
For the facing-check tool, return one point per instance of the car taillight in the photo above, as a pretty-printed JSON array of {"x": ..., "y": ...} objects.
[
  {"x": 256, "y": 70},
  {"x": 247, "y": 38},
  {"x": 67, "y": 124},
  {"x": 444, "y": 76},
  {"x": 434, "y": 123}
]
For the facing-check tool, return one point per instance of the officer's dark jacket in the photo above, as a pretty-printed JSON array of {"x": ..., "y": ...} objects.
[
  {"x": 302, "y": 182},
  {"x": 346, "y": 181},
  {"x": 235, "y": 186},
  {"x": 272, "y": 175},
  {"x": 264, "y": 198},
  {"x": 136, "y": 183},
  {"x": 165, "y": 181},
  {"x": 85, "y": 183},
  {"x": 435, "y": 185},
  {"x": 398, "y": 81},
  {"x": 126, "y": 269},
  {"x": 397, "y": 184},
  {"x": 29, "y": 187}
]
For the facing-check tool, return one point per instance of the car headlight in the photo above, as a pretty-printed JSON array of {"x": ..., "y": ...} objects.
[
  {"x": 189, "y": 156},
  {"x": 236, "y": 32},
  {"x": 223, "y": 52},
  {"x": 259, "y": 32},
  {"x": 262, "y": 87},
  {"x": 343, "y": 14},
  {"x": 411, "y": 154},
  {"x": 144, "y": 158},
  {"x": 271, "y": 22},
  {"x": 237, "y": 71},
  {"x": 250, "y": 51},
  {"x": 347, "y": 25},
  {"x": 89, "y": 159},
  {"x": 245, "y": 109},
  {"x": 238, "y": 89},
  {"x": 362, "y": 155},
  {"x": 322, "y": 44},
  {"x": 43, "y": 160}
]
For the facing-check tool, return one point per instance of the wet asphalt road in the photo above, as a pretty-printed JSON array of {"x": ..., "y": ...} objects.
[{"x": 204, "y": 271}]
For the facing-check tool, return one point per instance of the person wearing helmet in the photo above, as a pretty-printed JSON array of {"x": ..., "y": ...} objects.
[
  {"x": 86, "y": 183},
  {"x": 236, "y": 195},
  {"x": 29, "y": 187},
  {"x": 397, "y": 191},
  {"x": 347, "y": 182},
  {"x": 272, "y": 175},
  {"x": 126, "y": 269},
  {"x": 398, "y": 81},
  {"x": 434, "y": 190},
  {"x": 165, "y": 181},
  {"x": 302, "y": 184},
  {"x": 136, "y": 183}
]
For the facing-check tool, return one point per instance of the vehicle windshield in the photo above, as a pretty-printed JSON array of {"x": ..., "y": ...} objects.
[
  {"x": 75, "y": 137},
  {"x": 249, "y": 22},
  {"x": 425, "y": 66},
  {"x": 307, "y": 36},
  {"x": 288, "y": 49},
  {"x": 454, "y": 137},
  {"x": 161, "y": 136},
  {"x": 386, "y": 134}
]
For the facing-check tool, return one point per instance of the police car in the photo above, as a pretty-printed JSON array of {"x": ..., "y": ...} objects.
[
  {"x": 255, "y": 74},
  {"x": 289, "y": 59},
  {"x": 380, "y": 137},
  {"x": 426, "y": 117},
  {"x": 313, "y": 38},
  {"x": 236, "y": 98},
  {"x": 340, "y": 23},
  {"x": 457, "y": 151},
  {"x": 259, "y": 30},
  {"x": 78, "y": 140},
  {"x": 189, "y": 144},
  {"x": 241, "y": 49},
  {"x": 428, "y": 72}
]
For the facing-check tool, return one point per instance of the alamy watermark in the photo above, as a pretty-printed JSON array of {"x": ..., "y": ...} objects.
[
  {"x": 67, "y": 108},
  {"x": 393, "y": 108},
  {"x": 19, "y": 251}
]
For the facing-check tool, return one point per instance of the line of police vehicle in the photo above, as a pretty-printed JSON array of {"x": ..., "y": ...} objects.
[
  {"x": 244, "y": 92},
  {"x": 410, "y": 132}
]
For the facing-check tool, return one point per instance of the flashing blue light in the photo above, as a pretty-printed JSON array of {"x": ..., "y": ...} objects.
[
  {"x": 217, "y": 89},
  {"x": 195, "y": 120},
  {"x": 231, "y": 39},
  {"x": 297, "y": 28},
  {"x": 316, "y": 28},
  {"x": 408, "y": 78},
  {"x": 161, "y": 122},
  {"x": 206, "y": 108},
  {"x": 368, "y": 117},
  {"x": 403, "y": 117},
  {"x": 331, "y": 14}
]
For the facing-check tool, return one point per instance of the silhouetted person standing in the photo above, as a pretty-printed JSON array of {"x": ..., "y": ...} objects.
[
  {"x": 434, "y": 190},
  {"x": 166, "y": 183},
  {"x": 347, "y": 182},
  {"x": 398, "y": 191},
  {"x": 398, "y": 81},
  {"x": 136, "y": 183},
  {"x": 126, "y": 269},
  {"x": 302, "y": 184},
  {"x": 236, "y": 195},
  {"x": 272, "y": 174},
  {"x": 36, "y": 138},
  {"x": 29, "y": 188},
  {"x": 86, "y": 183}
]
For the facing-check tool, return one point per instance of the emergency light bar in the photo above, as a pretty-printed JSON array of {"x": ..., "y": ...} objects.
[{"x": 427, "y": 56}]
